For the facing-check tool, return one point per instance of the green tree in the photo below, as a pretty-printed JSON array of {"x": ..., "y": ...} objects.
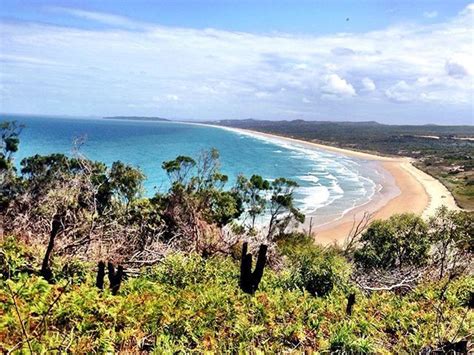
[
  {"x": 252, "y": 193},
  {"x": 452, "y": 235},
  {"x": 9, "y": 143},
  {"x": 281, "y": 207},
  {"x": 10, "y": 183},
  {"x": 400, "y": 241},
  {"x": 126, "y": 181},
  {"x": 178, "y": 169}
]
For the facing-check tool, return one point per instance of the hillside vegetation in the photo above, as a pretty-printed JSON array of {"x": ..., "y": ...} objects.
[
  {"x": 88, "y": 264},
  {"x": 445, "y": 152}
]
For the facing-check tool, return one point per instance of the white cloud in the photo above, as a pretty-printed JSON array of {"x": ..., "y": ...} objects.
[
  {"x": 216, "y": 73},
  {"x": 108, "y": 19},
  {"x": 335, "y": 85},
  {"x": 430, "y": 14},
  {"x": 368, "y": 84},
  {"x": 400, "y": 92},
  {"x": 172, "y": 97}
]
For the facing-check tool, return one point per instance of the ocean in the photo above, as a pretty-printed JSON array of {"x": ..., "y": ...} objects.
[{"x": 331, "y": 184}]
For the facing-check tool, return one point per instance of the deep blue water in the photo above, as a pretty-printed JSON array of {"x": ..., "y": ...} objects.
[{"x": 330, "y": 183}]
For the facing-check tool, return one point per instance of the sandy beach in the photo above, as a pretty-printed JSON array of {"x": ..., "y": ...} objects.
[{"x": 416, "y": 192}]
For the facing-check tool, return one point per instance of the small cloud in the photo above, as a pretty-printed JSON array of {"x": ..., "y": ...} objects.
[
  {"x": 430, "y": 14},
  {"x": 400, "y": 92},
  {"x": 262, "y": 94},
  {"x": 368, "y": 84},
  {"x": 468, "y": 10},
  {"x": 335, "y": 85},
  {"x": 306, "y": 100},
  {"x": 172, "y": 97},
  {"x": 169, "y": 97},
  {"x": 342, "y": 51},
  {"x": 300, "y": 66},
  {"x": 456, "y": 69},
  {"x": 105, "y": 18}
]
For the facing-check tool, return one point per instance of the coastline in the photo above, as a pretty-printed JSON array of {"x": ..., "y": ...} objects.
[{"x": 418, "y": 192}]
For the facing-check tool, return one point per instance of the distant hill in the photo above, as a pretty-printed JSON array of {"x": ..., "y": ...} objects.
[{"x": 136, "y": 118}]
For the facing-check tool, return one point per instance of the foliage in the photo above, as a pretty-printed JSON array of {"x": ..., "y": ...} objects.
[
  {"x": 9, "y": 144},
  {"x": 452, "y": 236},
  {"x": 187, "y": 303},
  {"x": 190, "y": 299},
  {"x": 252, "y": 193},
  {"x": 399, "y": 241},
  {"x": 314, "y": 268},
  {"x": 126, "y": 181},
  {"x": 260, "y": 197}
]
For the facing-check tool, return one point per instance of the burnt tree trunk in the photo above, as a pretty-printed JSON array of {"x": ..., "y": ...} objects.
[
  {"x": 100, "y": 275},
  {"x": 350, "y": 303},
  {"x": 249, "y": 280},
  {"x": 56, "y": 226},
  {"x": 115, "y": 277}
]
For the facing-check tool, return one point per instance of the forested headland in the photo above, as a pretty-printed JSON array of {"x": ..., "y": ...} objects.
[{"x": 89, "y": 264}]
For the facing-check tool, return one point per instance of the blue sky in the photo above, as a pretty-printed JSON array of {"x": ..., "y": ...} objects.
[{"x": 390, "y": 61}]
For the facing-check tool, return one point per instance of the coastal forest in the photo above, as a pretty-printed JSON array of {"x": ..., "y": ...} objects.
[
  {"x": 88, "y": 263},
  {"x": 445, "y": 152}
]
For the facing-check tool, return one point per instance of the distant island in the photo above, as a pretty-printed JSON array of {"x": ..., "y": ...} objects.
[{"x": 136, "y": 118}]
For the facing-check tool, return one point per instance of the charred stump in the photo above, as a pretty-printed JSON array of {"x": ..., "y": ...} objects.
[
  {"x": 100, "y": 275},
  {"x": 249, "y": 280},
  {"x": 115, "y": 277},
  {"x": 350, "y": 303},
  {"x": 56, "y": 226}
]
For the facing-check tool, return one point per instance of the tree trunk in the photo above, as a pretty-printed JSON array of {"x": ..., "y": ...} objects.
[
  {"x": 46, "y": 272},
  {"x": 249, "y": 280},
  {"x": 350, "y": 303},
  {"x": 100, "y": 276},
  {"x": 115, "y": 277}
]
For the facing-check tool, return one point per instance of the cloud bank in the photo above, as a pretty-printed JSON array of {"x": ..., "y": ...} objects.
[{"x": 407, "y": 73}]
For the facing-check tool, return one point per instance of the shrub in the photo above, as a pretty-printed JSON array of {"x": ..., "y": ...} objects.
[
  {"x": 313, "y": 268},
  {"x": 399, "y": 241},
  {"x": 193, "y": 304}
]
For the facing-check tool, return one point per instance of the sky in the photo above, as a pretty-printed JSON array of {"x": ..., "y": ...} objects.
[{"x": 398, "y": 62}]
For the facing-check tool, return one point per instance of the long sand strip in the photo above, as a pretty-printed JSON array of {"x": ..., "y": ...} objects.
[{"x": 419, "y": 192}]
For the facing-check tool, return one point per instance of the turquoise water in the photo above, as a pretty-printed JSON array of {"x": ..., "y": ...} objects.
[{"x": 331, "y": 184}]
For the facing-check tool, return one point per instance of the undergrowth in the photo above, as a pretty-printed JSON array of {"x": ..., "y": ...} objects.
[{"x": 188, "y": 303}]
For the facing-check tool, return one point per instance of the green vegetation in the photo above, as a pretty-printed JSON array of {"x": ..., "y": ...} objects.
[
  {"x": 445, "y": 152},
  {"x": 189, "y": 303},
  {"x": 400, "y": 240},
  {"x": 174, "y": 282}
]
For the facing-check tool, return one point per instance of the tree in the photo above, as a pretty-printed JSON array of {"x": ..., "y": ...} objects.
[
  {"x": 9, "y": 143},
  {"x": 252, "y": 193},
  {"x": 400, "y": 241},
  {"x": 452, "y": 235},
  {"x": 126, "y": 181},
  {"x": 179, "y": 169},
  {"x": 281, "y": 206}
]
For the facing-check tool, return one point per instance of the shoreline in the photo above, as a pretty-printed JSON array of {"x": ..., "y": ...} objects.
[{"x": 418, "y": 192}]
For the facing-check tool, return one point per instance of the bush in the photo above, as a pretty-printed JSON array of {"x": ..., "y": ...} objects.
[
  {"x": 192, "y": 304},
  {"x": 313, "y": 268},
  {"x": 401, "y": 240}
]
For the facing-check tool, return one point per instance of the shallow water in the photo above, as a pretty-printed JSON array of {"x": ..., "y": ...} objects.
[{"x": 330, "y": 183}]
